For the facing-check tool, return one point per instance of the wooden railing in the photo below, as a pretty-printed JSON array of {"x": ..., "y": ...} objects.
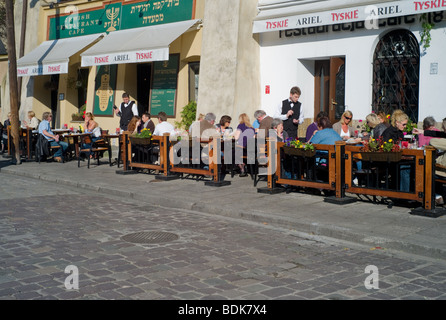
[
  {"x": 200, "y": 159},
  {"x": 375, "y": 178},
  {"x": 312, "y": 171},
  {"x": 143, "y": 156}
]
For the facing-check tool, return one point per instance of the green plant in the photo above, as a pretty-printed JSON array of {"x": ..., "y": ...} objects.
[
  {"x": 409, "y": 127},
  {"x": 187, "y": 115},
  {"x": 426, "y": 32},
  {"x": 145, "y": 133},
  {"x": 379, "y": 145},
  {"x": 299, "y": 144}
]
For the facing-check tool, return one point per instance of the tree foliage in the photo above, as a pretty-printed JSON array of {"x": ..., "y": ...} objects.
[{"x": 2, "y": 21}]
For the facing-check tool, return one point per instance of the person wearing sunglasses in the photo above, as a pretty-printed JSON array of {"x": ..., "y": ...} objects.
[
  {"x": 395, "y": 133},
  {"x": 344, "y": 126}
]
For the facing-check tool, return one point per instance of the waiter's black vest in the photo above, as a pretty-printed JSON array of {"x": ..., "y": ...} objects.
[
  {"x": 126, "y": 115},
  {"x": 288, "y": 124}
]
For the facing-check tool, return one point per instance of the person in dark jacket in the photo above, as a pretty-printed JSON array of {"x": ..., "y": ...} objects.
[
  {"x": 398, "y": 125},
  {"x": 395, "y": 133}
]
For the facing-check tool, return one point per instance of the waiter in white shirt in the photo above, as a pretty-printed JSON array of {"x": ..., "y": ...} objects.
[
  {"x": 290, "y": 111},
  {"x": 126, "y": 111}
]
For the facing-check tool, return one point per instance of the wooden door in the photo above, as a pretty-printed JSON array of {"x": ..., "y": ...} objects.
[{"x": 330, "y": 87}]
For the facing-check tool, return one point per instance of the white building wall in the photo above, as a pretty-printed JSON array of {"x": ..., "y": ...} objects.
[{"x": 286, "y": 62}]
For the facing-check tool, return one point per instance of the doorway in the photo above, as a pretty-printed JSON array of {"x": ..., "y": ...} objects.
[
  {"x": 144, "y": 76},
  {"x": 54, "y": 79},
  {"x": 329, "y": 87}
]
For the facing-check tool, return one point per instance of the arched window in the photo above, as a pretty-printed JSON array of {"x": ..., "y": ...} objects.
[{"x": 396, "y": 66}]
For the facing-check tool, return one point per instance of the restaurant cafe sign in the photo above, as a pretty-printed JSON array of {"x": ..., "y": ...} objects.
[
  {"x": 114, "y": 16},
  {"x": 370, "y": 14},
  {"x": 43, "y": 69}
]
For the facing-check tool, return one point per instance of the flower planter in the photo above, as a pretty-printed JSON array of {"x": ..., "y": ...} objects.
[
  {"x": 299, "y": 152},
  {"x": 139, "y": 140},
  {"x": 381, "y": 156}
]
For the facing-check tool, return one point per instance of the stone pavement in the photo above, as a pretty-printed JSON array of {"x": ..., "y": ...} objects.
[
  {"x": 362, "y": 222},
  {"x": 49, "y": 231}
]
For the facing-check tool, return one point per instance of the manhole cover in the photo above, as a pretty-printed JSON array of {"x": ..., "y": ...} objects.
[{"x": 150, "y": 237}]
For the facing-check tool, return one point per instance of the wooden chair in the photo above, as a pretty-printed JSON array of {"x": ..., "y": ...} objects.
[
  {"x": 85, "y": 149},
  {"x": 99, "y": 147},
  {"x": 95, "y": 149}
]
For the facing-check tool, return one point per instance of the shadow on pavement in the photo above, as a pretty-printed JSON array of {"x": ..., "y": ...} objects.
[{"x": 5, "y": 162}]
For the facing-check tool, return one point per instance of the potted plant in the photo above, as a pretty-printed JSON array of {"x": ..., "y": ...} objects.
[
  {"x": 79, "y": 116},
  {"x": 187, "y": 116},
  {"x": 379, "y": 150},
  {"x": 298, "y": 148},
  {"x": 144, "y": 137}
]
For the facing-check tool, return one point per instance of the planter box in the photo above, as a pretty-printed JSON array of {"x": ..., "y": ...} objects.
[
  {"x": 381, "y": 156},
  {"x": 138, "y": 140},
  {"x": 299, "y": 152}
]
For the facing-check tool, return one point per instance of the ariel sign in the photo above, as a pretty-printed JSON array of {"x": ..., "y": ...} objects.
[{"x": 118, "y": 16}]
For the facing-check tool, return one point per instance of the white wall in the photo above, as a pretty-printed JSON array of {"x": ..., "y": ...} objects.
[{"x": 285, "y": 62}]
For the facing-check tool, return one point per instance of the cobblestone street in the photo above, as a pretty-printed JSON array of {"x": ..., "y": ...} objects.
[{"x": 44, "y": 228}]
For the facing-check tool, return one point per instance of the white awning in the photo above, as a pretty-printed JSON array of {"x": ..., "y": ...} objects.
[
  {"x": 136, "y": 45},
  {"x": 286, "y": 14},
  {"x": 52, "y": 57}
]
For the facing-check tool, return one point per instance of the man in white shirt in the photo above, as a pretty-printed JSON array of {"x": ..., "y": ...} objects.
[
  {"x": 290, "y": 111},
  {"x": 163, "y": 126}
]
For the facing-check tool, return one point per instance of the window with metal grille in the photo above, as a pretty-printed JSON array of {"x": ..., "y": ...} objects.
[{"x": 396, "y": 65}]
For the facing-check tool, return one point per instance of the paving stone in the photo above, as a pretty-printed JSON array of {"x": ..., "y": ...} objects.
[{"x": 215, "y": 258}]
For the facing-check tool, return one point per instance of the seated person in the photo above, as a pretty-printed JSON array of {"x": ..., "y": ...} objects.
[
  {"x": 395, "y": 132},
  {"x": 324, "y": 135},
  {"x": 264, "y": 123},
  {"x": 33, "y": 122},
  {"x": 277, "y": 126},
  {"x": 92, "y": 126},
  {"x": 53, "y": 139},
  {"x": 132, "y": 127},
  {"x": 428, "y": 124},
  {"x": 223, "y": 127},
  {"x": 312, "y": 128},
  {"x": 163, "y": 126},
  {"x": 145, "y": 123}
]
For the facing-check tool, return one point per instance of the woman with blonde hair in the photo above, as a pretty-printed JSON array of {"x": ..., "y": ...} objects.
[
  {"x": 344, "y": 126},
  {"x": 33, "y": 121},
  {"x": 377, "y": 126},
  {"x": 395, "y": 133},
  {"x": 383, "y": 118},
  {"x": 243, "y": 132},
  {"x": 398, "y": 125},
  {"x": 91, "y": 126}
]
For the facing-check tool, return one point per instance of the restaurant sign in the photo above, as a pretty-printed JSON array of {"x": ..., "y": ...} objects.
[
  {"x": 140, "y": 56},
  {"x": 36, "y": 70},
  {"x": 370, "y": 14},
  {"x": 118, "y": 16}
]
